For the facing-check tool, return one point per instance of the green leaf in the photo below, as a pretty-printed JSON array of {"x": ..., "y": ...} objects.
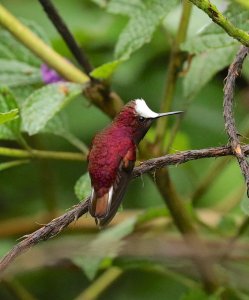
[
  {"x": 43, "y": 104},
  {"x": 82, "y": 187},
  {"x": 106, "y": 70},
  {"x": 9, "y": 106},
  {"x": 145, "y": 17},
  {"x": 204, "y": 66},
  {"x": 214, "y": 49},
  {"x": 58, "y": 125},
  {"x": 101, "y": 3},
  {"x": 19, "y": 66},
  {"x": 6, "y": 133},
  {"x": 104, "y": 248},
  {"x": 11, "y": 164},
  {"x": 21, "y": 93},
  {"x": 12, "y": 49},
  {"x": 8, "y": 116},
  {"x": 127, "y": 8},
  {"x": 15, "y": 73}
]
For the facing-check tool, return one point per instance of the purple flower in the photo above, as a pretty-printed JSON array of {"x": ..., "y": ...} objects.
[{"x": 49, "y": 75}]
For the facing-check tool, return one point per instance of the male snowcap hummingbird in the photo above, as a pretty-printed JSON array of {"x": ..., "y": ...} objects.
[{"x": 112, "y": 158}]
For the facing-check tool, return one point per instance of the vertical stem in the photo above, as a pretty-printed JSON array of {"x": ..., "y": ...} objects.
[
  {"x": 175, "y": 204},
  {"x": 17, "y": 289},
  {"x": 100, "y": 284},
  {"x": 176, "y": 60},
  {"x": 65, "y": 33},
  {"x": 180, "y": 214},
  {"x": 185, "y": 225}
]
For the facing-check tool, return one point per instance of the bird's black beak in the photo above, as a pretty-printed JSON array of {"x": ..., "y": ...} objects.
[{"x": 169, "y": 113}]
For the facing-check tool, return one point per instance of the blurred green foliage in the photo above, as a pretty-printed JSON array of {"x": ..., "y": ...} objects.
[{"x": 129, "y": 43}]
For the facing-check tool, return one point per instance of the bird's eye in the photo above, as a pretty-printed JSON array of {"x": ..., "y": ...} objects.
[{"x": 141, "y": 119}]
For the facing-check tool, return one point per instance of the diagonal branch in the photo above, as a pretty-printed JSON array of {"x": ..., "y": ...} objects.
[
  {"x": 218, "y": 18},
  {"x": 57, "y": 225},
  {"x": 67, "y": 36},
  {"x": 97, "y": 93},
  {"x": 39, "y": 48},
  {"x": 233, "y": 73},
  {"x": 47, "y": 231}
]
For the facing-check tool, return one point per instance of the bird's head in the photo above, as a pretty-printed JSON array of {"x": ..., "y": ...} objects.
[{"x": 137, "y": 118}]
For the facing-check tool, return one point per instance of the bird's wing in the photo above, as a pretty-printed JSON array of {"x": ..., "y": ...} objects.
[{"x": 104, "y": 208}]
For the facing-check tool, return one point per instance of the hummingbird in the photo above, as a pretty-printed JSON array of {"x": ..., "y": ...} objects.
[{"x": 112, "y": 157}]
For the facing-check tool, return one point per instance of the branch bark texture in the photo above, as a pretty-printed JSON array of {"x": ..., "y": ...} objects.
[
  {"x": 57, "y": 225},
  {"x": 233, "y": 73}
]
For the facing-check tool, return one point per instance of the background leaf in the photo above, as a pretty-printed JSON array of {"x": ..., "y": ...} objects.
[
  {"x": 55, "y": 96},
  {"x": 144, "y": 18},
  {"x": 106, "y": 70},
  {"x": 82, "y": 187},
  {"x": 8, "y": 116},
  {"x": 15, "y": 73},
  {"x": 58, "y": 125},
  {"x": 9, "y": 106},
  {"x": 14, "y": 50},
  {"x": 214, "y": 49},
  {"x": 19, "y": 66},
  {"x": 106, "y": 245}
]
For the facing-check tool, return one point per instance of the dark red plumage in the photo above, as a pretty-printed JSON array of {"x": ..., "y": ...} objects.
[
  {"x": 108, "y": 149},
  {"x": 112, "y": 158},
  {"x": 112, "y": 155}
]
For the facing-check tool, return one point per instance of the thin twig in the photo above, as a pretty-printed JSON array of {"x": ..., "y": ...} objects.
[
  {"x": 182, "y": 157},
  {"x": 57, "y": 225},
  {"x": 67, "y": 36},
  {"x": 99, "y": 285},
  {"x": 42, "y": 154},
  {"x": 47, "y": 231},
  {"x": 233, "y": 73},
  {"x": 218, "y": 18}
]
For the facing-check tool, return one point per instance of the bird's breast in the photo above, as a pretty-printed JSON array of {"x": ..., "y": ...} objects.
[{"x": 108, "y": 149}]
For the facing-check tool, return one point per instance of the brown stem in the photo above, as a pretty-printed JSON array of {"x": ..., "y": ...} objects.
[
  {"x": 183, "y": 156},
  {"x": 233, "y": 73},
  {"x": 57, "y": 225},
  {"x": 180, "y": 215},
  {"x": 47, "y": 231},
  {"x": 185, "y": 225}
]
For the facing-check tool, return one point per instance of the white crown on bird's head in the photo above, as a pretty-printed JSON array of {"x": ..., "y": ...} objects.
[{"x": 142, "y": 110}]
